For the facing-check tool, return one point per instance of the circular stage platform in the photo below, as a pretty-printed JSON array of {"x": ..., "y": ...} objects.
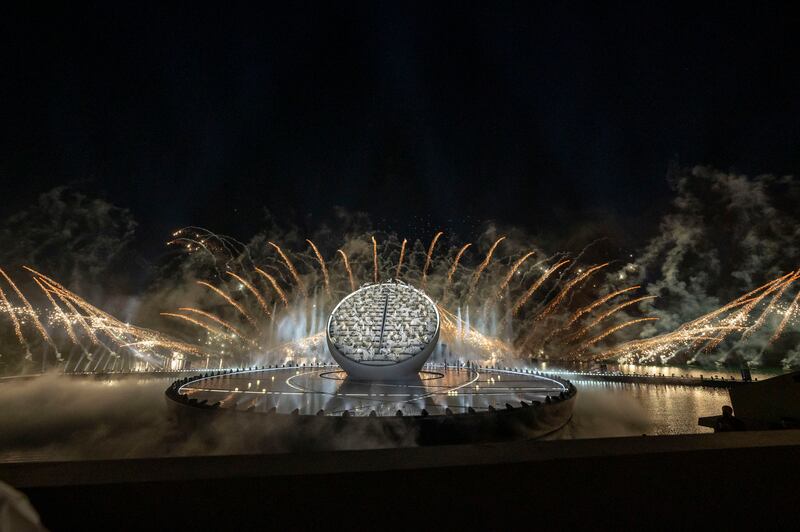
[{"x": 327, "y": 390}]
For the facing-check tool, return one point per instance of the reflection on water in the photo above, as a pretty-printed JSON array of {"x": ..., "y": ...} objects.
[
  {"x": 609, "y": 409},
  {"x": 696, "y": 371},
  {"x": 722, "y": 372}
]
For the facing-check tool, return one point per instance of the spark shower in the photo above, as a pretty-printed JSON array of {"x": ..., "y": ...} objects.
[{"x": 264, "y": 303}]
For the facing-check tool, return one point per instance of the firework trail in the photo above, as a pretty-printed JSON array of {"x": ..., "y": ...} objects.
[
  {"x": 374, "y": 260},
  {"x": 742, "y": 314},
  {"x": 739, "y": 301},
  {"x": 150, "y": 343},
  {"x": 498, "y": 294},
  {"x": 212, "y": 317},
  {"x": 110, "y": 325},
  {"x": 482, "y": 266},
  {"x": 583, "y": 311},
  {"x": 200, "y": 243},
  {"x": 78, "y": 316},
  {"x": 778, "y": 295},
  {"x": 107, "y": 323},
  {"x": 607, "y": 314},
  {"x": 291, "y": 268},
  {"x": 275, "y": 286},
  {"x": 252, "y": 289},
  {"x": 511, "y": 272},
  {"x": 61, "y": 315},
  {"x": 32, "y": 312},
  {"x": 224, "y": 241},
  {"x": 230, "y": 300},
  {"x": 322, "y": 266},
  {"x": 400, "y": 260},
  {"x": 564, "y": 291},
  {"x": 588, "y": 308},
  {"x": 350, "y": 272},
  {"x": 428, "y": 258},
  {"x": 612, "y": 330},
  {"x": 452, "y": 269},
  {"x": 199, "y": 323},
  {"x": 535, "y": 286},
  {"x": 699, "y": 329},
  {"x": 17, "y": 328},
  {"x": 60, "y": 289},
  {"x": 787, "y": 315}
]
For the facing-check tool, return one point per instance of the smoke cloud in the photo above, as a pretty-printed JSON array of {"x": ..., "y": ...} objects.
[{"x": 63, "y": 418}]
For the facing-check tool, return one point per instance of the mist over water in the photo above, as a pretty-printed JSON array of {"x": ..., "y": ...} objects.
[
  {"x": 609, "y": 409},
  {"x": 75, "y": 418}
]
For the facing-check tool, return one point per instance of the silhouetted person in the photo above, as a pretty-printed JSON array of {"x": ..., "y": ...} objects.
[{"x": 727, "y": 422}]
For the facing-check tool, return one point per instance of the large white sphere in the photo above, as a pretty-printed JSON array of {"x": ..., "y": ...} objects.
[{"x": 383, "y": 331}]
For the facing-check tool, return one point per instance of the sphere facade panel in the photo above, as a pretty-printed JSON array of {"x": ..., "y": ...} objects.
[{"x": 388, "y": 325}]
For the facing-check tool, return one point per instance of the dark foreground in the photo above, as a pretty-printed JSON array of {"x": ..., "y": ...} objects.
[{"x": 610, "y": 483}]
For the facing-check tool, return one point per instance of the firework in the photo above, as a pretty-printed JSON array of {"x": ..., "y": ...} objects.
[
  {"x": 261, "y": 302},
  {"x": 374, "y": 260},
  {"x": 552, "y": 320},
  {"x": 567, "y": 288},
  {"x": 230, "y": 301},
  {"x": 700, "y": 329},
  {"x": 452, "y": 269},
  {"x": 99, "y": 321},
  {"x": 787, "y": 315},
  {"x": 291, "y": 268},
  {"x": 59, "y": 312},
  {"x": 114, "y": 329},
  {"x": 275, "y": 286},
  {"x": 212, "y": 317},
  {"x": 482, "y": 266},
  {"x": 778, "y": 295},
  {"x": 349, "y": 271},
  {"x": 608, "y": 314},
  {"x": 739, "y": 318},
  {"x": 322, "y": 266},
  {"x": 199, "y": 323},
  {"x": 14, "y": 320},
  {"x": 511, "y": 272},
  {"x": 78, "y": 317},
  {"x": 739, "y": 301},
  {"x": 31, "y": 312},
  {"x": 436, "y": 238},
  {"x": 400, "y": 260},
  {"x": 588, "y": 308},
  {"x": 612, "y": 330},
  {"x": 535, "y": 286}
]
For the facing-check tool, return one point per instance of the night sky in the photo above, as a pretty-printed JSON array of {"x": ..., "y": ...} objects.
[{"x": 424, "y": 115}]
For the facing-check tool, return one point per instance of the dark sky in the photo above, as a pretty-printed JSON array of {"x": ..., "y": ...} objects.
[{"x": 424, "y": 115}]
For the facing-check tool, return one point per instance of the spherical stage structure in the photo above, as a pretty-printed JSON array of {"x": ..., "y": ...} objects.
[
  {"x": 384, "y": 331},
  {"x": 383, "y": 389}
]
